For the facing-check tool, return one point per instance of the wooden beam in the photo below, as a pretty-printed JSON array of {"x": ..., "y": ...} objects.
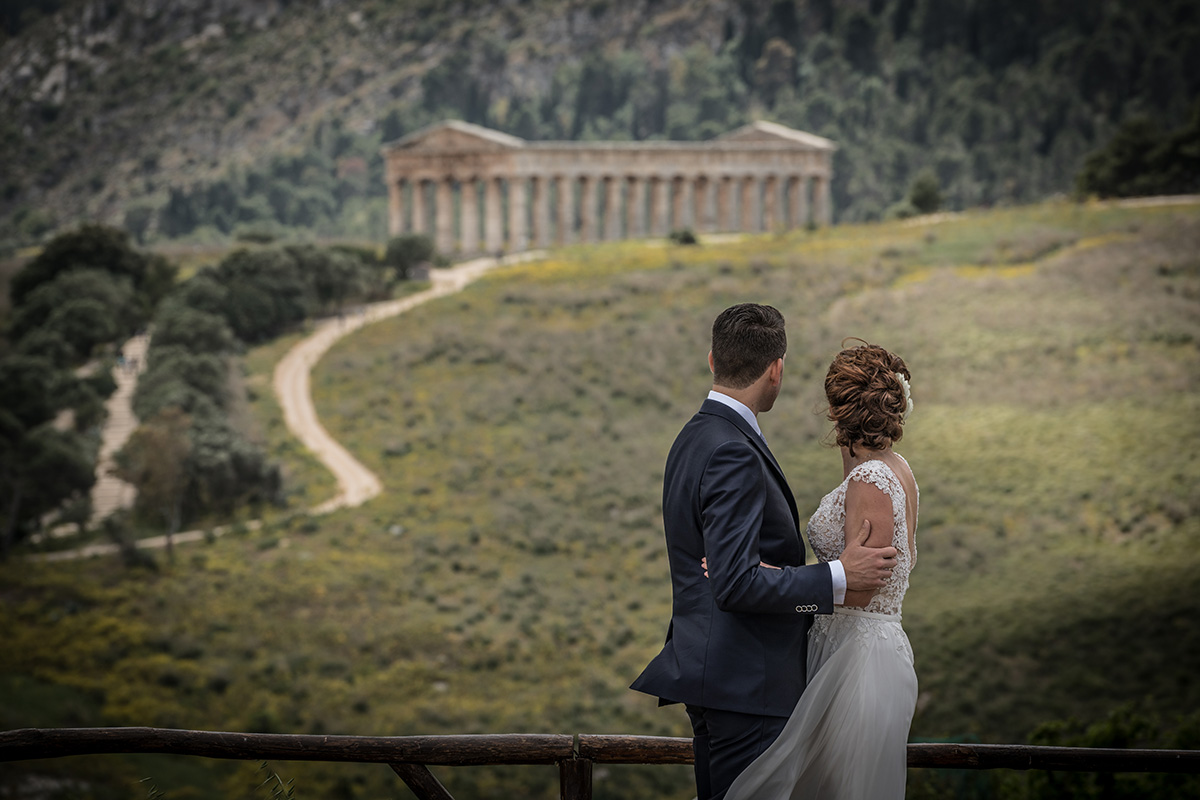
[
  {"x": 1072, "y": 759},
  {"x": 621, "y": 749},
  {"x": 508, "y": 748}
]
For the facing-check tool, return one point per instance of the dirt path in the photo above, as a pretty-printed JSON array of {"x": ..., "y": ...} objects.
[
  {"x": 356, "y": 483},
  {"x": 110, "y": 493}
]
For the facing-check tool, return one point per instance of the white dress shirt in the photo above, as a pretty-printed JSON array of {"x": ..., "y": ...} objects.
[{"x": 837, "y": 571}]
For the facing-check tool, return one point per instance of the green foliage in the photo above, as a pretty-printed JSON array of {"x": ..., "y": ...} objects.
[
  {"x": 186, "y": 393},
  {"x": 197, "y": 331},
  {"x": 28, "y": 388},
  {"x": 155, "y": 461},
  {"x": 271, "y": 292},
  {"x": 40, "y": 306},
  {"x": 94, "y": 247},
  {"x": 405, "y": 253},
  {"x": 683, "y": 236},
  {"x": 40, "y": 468},
  {"x": 925, "y": 196},
  {"x": 334, "y": 276},
  {"x": 194, "y": 381},
  {"x": 1003, "y": 101},
  {"x": 1140, "y": 160}
]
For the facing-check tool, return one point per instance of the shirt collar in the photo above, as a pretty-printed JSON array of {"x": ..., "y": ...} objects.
[{"x": 741, "y": 408}]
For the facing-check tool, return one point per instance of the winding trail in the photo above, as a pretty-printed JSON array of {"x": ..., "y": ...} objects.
[{"x": 356, "y": 483}]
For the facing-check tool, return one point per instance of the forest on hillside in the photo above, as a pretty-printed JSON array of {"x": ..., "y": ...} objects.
[{"x": 1003, "y": 100}]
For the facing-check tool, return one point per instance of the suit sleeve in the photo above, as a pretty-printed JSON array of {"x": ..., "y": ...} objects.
[{"x": 733, "y": 498}]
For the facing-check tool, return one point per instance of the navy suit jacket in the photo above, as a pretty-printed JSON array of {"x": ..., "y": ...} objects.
[{"x": 737, "y": 640}]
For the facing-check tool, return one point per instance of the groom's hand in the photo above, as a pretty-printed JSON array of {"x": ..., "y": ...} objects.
[{"x": 867, "y": 568}]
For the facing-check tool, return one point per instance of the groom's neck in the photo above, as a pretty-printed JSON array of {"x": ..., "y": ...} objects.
[{"x": 747, "y": 397}]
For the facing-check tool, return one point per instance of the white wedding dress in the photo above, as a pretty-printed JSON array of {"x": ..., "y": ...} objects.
[{"x": 847, "y": 737}]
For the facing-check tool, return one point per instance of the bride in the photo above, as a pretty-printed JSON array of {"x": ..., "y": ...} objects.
[{"x": 847, "y": 736}]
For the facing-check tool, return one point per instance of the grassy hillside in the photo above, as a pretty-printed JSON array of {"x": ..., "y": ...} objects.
[
  {"x": 512, "y": 576},
  {"x": 206, "y": 119}
]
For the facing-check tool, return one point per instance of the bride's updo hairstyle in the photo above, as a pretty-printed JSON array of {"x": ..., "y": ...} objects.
[{"x": 867, "y": 402}]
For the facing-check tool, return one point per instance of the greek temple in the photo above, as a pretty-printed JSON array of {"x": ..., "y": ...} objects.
[{"x": 474, "y": 189}]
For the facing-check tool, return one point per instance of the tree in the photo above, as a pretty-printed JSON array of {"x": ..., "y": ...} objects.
[
  {"x": 925, "y": 194},
  {"x": 90, "y": 246},
  {"x": 1142, "y": 160},
  {"x": 405, "y": 253},
  {"x": 271, "y": 293},
  {"x": 155, "y": 461},
  {"x": 197, "y": 331},
  {"x": 775, "y": 70},
  {"x": 114, "y": 294},
  {"x": 41, "y": 466},
  {"x": 39, "y": 469},
  {"x": 194, "y": 382},
  {"x": 334, "y": 275}
]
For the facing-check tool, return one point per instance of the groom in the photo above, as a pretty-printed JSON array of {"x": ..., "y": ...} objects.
[{"x": 736, "y": 648}]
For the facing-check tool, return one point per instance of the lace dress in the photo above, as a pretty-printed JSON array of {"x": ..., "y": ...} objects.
[{"x": 846, "y": 737}]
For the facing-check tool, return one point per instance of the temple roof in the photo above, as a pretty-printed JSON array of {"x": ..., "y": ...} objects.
[
  {"x": 455, "y": 135},
  {"x": 762, "y": 131}
]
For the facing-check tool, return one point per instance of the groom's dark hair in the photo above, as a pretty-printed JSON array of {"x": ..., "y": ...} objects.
[{"x": 746, "y": 338}]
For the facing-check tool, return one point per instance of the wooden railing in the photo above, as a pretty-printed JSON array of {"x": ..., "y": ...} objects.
[{"x": 411, "y": 756}]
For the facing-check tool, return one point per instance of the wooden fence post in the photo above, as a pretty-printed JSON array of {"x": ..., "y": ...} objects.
[{"x": 575, "y": 779}]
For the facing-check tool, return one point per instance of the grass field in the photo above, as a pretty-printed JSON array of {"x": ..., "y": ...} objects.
[{"x": 512, "y": 576}]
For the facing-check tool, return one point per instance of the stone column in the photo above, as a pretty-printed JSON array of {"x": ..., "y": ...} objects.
[
  {"x": 587, "y": 208},
  {"x": 493, "y": 221},
  {"x": 420, "y": 216},
  {"x": 795, "y": 186},
  {"x": 518, "y": 214},
  {"x": 658, "y": 206},
  {"x": 541, "y": 211},
  {"x": 749, "y": 205},
  {"x": 396, "y": 207},
  {"x": 566, "y": 209},
  {"x": 612, "y": 208},
  {"x": 444, "y": 215},
  {"x": 635, "y": 207},
  {"x": 724, "y": 203},
  {"x": 469, "y": 221},
  {"x": 678, "y": 203},
  {"x": 771, "y": 203},
  {"x": 701, "y": 218},
  {"x": 822, "y": 201}
]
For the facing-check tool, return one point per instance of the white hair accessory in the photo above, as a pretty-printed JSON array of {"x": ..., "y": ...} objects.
[{"x": 908, "y": 403}]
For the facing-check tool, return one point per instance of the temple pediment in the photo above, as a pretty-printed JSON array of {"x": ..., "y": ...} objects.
[
  {"x": 768, "y": 132},
  {"x": 456, "y": 136}
]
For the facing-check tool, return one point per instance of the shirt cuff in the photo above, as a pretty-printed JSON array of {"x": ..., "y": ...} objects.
[{"x": 838, "y": 573}]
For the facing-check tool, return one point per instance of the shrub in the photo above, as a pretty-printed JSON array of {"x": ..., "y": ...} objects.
[
  {"x": 925, "y": 193},
  {"x": 405, "y": 253},
  {"x": 683, "y": 236}
]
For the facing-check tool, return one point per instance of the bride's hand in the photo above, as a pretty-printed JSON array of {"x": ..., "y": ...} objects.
[{"x": 704, "y": 564}]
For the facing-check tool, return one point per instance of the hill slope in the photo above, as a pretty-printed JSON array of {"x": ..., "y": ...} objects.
[
  {"x": 512, "y": 575},
  {"x": 199, "y": 118}
]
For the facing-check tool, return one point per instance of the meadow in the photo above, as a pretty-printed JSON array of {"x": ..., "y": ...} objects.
[{"x": 512, "y": 577}]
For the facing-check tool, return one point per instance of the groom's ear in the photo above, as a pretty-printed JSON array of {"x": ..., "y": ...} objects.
[
  {"x": 711, "y": 367},
  {"x": 776, "y": 370}
]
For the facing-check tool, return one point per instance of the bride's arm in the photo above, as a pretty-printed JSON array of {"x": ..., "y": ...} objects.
[{"x": 865, "y": 501}]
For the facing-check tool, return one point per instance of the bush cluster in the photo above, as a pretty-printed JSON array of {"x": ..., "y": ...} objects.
[
  {"x": 185, "y": 397},
  {"x": 86, "y": 290}
]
